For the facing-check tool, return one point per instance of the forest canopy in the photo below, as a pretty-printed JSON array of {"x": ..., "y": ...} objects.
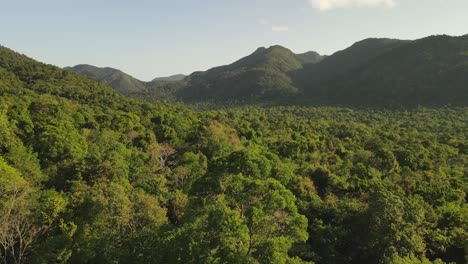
[{"x": 90, "y": 176}]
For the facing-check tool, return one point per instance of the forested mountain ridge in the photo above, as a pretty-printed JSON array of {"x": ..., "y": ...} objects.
[
  {"x": 177, "y": 77},
  {"x": 117, "y": 79},
  {"x": 88, "y": 175},
  {"x": 430, "y": 71},
  {"x": 345, "y": 61},
  {"x": 259, "y": 76},
  {"x": 121, "y": 81},
  {"x": 310, "y": 57},
  {"x": 371, "y": 73}
]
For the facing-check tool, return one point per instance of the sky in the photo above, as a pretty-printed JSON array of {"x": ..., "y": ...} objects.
[{"x": 149, "y": 39}]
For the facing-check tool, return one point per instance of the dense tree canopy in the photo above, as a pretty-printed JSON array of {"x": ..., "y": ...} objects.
[{"x": 90, "y": 176}]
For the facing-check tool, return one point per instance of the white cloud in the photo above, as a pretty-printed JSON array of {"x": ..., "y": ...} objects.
[
  {"x": 279, "y": 29},
  {"x": 325, "y": 5}
]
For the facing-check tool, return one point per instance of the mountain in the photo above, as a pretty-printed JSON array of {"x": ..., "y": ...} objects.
[
  {"x": 383, "y": 72},
  {"x": 117, "y": 79},
  {"x": 373, "y": 72},
  {"x": 172, "y": 78},
  {"x": 263, "y": 75},
  {"x": 344, "y": 61},
  {"x": 126, "y": 84},
  {"x": 310, "y": 57},
  {"x": 259, "y": 76}
]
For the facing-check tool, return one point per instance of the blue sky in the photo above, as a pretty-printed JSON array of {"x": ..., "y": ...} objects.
[{"x": 158, "y": 38}]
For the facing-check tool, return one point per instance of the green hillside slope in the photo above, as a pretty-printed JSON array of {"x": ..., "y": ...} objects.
[
  {"x": 259, "y": 76},
  {"x": 310, "y": 57},
  {"x": 172, "y": 78},
  {"x": 344, "y": 61},
  {"x": 429, "y": 71},
  {"x": 117, "y": 79}
]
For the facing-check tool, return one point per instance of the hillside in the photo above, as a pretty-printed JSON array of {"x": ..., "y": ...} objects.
[
  {"x": 155, "y": 90},
  {"x": 260, "y": 76},
  {"x": 372, "y": 73},
  {"x": 117, "y": 79},
  {"x": 343, "y": 62},
  {"x": 430, "y": 71},
  {"x": 172, "y": 78},
  {"x": 310, "y": 57}
]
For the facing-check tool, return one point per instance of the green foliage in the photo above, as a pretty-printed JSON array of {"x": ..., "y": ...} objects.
[{"x": 90, "y": 176}]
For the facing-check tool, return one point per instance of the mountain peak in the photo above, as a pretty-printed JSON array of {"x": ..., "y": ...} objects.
[
  {"x": 271, "y": 50},
  {"x": 272, "y": 47},
  {"x": 275, "y": 57}
]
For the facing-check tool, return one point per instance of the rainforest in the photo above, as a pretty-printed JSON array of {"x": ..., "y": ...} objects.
[{"x": 89, "y": 175}]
